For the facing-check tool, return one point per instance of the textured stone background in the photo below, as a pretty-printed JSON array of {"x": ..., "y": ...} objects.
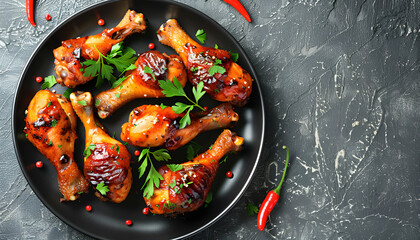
[{"x": 340, "y": 81}]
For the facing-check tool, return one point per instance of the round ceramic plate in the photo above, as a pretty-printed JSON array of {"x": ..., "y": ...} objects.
[{"x": 107, "y": 220}]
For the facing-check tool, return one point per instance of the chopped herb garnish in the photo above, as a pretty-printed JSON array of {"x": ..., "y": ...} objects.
[
  {"x": 234, "y": 56},
  {"x": 59, "y": 146},
  {"x": 49, "y": 103},
  {"x": 50, "y": 143},
  {"x": 82, "y": 102},
  {"x": 102, "y": 188},
  {"x": 194, "y": 69},
  {"x": 67, "y": 93},
  {"x": 216, "y": 90},
  {"x": 252, "y": 209},
  {"x": 53, "y": 123},
  {"x": 172, "y": 184},
  {"x": 201, "y": 35},
  {"x": 209, "y": 198},
  {"x": 118, "y": 95},
  {"x": 88, "y": 150},
  {"x": 174, "y": 167},
  {"x": 163, "y": 106},
  {"x": 216, "y": 69},
  {"x": 48, "y": 82},
  {"x": 216, "y": 46},
  {"x": 147, "y": 69},
  {"x": 192, "y": 150},
  {"x": 97, "y": 102}
]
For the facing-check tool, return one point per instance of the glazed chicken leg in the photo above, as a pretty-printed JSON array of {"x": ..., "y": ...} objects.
[
  {"x": 107, "y": 161},
  {"x": 234, "y": 85},
  {"x": 140, "y": 83},
  {"x": 51, "y": 127},
  {"x": 69, "y": 55},
  {"x": 186, "y": 190},
  {"x": 152, "y": 126}
]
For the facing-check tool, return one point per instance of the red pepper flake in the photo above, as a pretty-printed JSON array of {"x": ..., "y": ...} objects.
[
  {"x": 151, "y": 45},
  {"x": 145, "y": 211},
  {"x": 206, "y": 108},
  {"x": 128, "y": 222},
  {"x": 101, "y": 22},
  {"x": 137, "y": 152},
  {"x": 38, "y": 79},
  {"x": 48, "y": 17},
  {"x": 229, "y": 174},
  {"x": 88, "y": 208},
  {"x": 39, "y": 164}
]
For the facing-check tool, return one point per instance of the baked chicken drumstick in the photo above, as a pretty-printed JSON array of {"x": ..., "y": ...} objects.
[
  {"x": 72, "y": 51},
  {"x": 224, "y": 80},
  {"x": 51, "y": 127},
  {"x": 152, "y": 126},
  {"x": 186, "y": 190},
  {"x": 107, "y": 161},
  {"x": 140, "y": 83}
]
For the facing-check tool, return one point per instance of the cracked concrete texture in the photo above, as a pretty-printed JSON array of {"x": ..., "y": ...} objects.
[{"x": 340, "y": 80}]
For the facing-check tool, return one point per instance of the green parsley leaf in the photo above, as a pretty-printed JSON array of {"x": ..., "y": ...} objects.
[
  {"x": 198, "y": 91},
  {"x": 172, "y": 184},
  {"x": 180, "y": 107},
  {"x": 252, "y": 209},
  {"x": 67, "y": 93},
  {"x": 118, "y": 95},
  {"x": 234, "y": 56},
  {"x": 174, "y": 167},
  {"x": 82, "y": 102},
  {"x": 216, "y": 90},
  {"x": 97, "y": 102},
  {"x": 153, "y": 177},
  {"x": 48, "y": 82},
  {"x": 172, "y": 89},
  {"x": 216, "y": 46},
  {"x": 49, "y": 103},
  {"x": 186, "y": 119},
  {"x": 161, "y": 155},
  {"x": 88, "y": 150},
  {"x": 118, "y": 82},
  {"x": 216, "y": 69},
  {"x": 148, "y": 70},
  {"x": 163, "y": 106},
  {"x": 201, "y": 35},
  {"x": 192, "y": 150},
  {"x": 118, "y": 148},
  {"x": 53, "y": 123},
  {"x": 116, "y": 50},
  {"x": 102, "y": 188},
  {"x": 209, "y": 198},
  {"x": 194, "y": 69},
  {"x": 217, "y": 61},
  {"x": 50, "y": 143},
  {"x": 59, "y": 146}
]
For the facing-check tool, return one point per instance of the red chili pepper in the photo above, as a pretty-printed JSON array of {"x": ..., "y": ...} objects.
[
  {"x": 238, "y": 6},
  {"x": 271, "y": 198},
  {"x": 30, "y": 11}
]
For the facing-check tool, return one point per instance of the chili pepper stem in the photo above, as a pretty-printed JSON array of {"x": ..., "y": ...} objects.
[{"x": 277, "y": 189}]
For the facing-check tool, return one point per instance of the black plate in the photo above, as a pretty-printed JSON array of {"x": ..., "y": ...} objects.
[{"x": 107, "y": 220}]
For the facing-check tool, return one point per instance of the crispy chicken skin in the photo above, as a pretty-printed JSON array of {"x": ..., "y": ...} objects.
[
  {"x": 51, "y": 128},
  {"x": 109, "y": 160},
  {"x": 69, "y": 55},
  {"x": 152, "y": 126},
  {"x": 234, "y": 86},
  {"x": 186, "y": 190},
  {"x": 140, "y": 84}
]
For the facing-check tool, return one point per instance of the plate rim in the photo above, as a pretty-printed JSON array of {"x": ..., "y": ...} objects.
[{"x": 179, "y": 4}]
